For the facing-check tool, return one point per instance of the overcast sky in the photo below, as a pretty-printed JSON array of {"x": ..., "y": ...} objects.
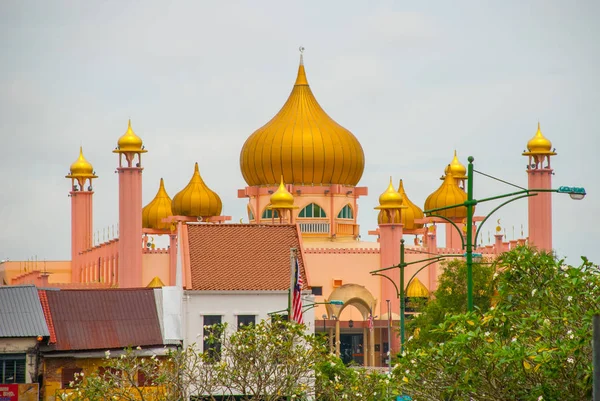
[{"x": 412, "y": 80}]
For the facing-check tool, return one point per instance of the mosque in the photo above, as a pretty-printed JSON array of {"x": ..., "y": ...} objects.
[{"x": 301, "y": 168}]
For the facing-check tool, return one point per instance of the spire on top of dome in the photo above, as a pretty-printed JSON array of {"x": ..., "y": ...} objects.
[
  {"x": 158, "y": 209},
  {"x": 302, "y": 143},
  {"x": 539, "y": 145},
  {"x": 196, "y": 199},
  {"x": 81, "y": 168},
  {"x": 448, "y": 194},
  {"x": 282, "y": 198},
  {"x": 458, "y": 170},
  {"x": 130, "y": 142},
  {"x": 390, "y": 199}
]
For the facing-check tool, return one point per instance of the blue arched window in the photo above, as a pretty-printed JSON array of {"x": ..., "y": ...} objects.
[
  {"x": 270, "y": 213},
  {"x": 346, "y": 213},
  {"x": 312, "y": 210}
]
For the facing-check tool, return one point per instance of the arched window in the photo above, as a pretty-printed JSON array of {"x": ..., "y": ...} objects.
[
  {"x": 346, "y": 213},
  {"x": 250, "y": 214},
  {"x": 312, "y": 210},
  {"x": 270, "y": 213}
]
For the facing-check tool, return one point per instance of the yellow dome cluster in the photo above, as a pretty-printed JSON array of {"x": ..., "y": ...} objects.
[
  {"x": 448, "y": 194},
  {"x": 282, "y": 198},
  {"x": 456, "y": 168},
  {"x": 81, "y": 168},
  {"x": 160, "y": 207},
  {"x": 539, "y": 144},
  {"x": 302, "y": 144},
  {"x": 416, "y": 289},
  {"x": 196, "y": 199},
  {"x": 129, "y": 142}
]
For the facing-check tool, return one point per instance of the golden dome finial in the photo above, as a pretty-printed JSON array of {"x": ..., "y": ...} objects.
[
  {"x": 390, "y": 198},
  {"x": 158, "y": 209},
  {"x": 324, "y": 152},
  {"x": 448, "y": 194},
  {"x": 282, "y": 198},
  {"x": 539, "y": 144},
  {"x": 301, "y": 78},
  {"x": 81, "y": 168},
  {"x": 196, "y": 199},
  {"x": 458, "y": 170},
  {"x": 130, "y": 142}
]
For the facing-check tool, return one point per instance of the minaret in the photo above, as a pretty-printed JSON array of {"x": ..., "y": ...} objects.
[
  {"x": 81, "y": 174},
  {"x": 390, "y": 234},
  {"x": 282, "y": 204},
  {"x": 130, "y": 149},
  {"x": 539, "y": 172}
]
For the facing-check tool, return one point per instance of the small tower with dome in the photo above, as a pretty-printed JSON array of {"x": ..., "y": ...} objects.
[
  {"x": 130, "y": 150},
  {"x": 81, "y": 174},
  {"x": 321, "y": 162},
  {"x": 539, "y": 173}
]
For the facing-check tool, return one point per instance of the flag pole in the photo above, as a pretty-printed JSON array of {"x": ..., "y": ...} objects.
[{"x": 292, "y": 277}]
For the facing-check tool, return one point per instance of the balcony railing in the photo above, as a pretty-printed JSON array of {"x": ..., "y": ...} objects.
[{"x": 314, "y": 226}]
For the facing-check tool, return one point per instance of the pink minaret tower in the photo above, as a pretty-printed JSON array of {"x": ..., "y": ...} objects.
[
  {"x": 539, "y": 150},
  {"x": 129, "y": 267},
  {"x": 81, "y": 174}
]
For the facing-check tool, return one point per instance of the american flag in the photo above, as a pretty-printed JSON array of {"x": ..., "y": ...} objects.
[{"x": 297, "y": 296}]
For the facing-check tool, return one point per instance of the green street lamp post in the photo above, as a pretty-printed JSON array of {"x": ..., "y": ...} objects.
[{"x": 468, "y": 243}]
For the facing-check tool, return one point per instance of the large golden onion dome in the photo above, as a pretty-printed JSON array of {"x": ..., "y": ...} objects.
[
  {"x": 412, "y": 211},
  {"x": 539, "y": 144},
  {"x": 158, "y": 209},
  {"x": 302, "y": 144},
  {"x": 282, "y": 198},
  {"x": 81, "y": 168},
  {"x": 196, "y": 199},
  {"x": 458, "y": 170},
  {"x": 416, "y": 289},
  {"x": 129, "y": 142},
  {"x": 448, "y": 194},
  {"x": 390, "y": 198}
]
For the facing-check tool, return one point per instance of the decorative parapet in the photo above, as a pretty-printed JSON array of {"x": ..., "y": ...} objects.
[
  {"x": 155, "y": 250},
  {"x": 341, "y": 250}
]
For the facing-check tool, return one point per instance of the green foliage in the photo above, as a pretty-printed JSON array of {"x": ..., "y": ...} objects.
[
  {"x": 534, "y": 344},
  {"x": 451, "y": 298}
]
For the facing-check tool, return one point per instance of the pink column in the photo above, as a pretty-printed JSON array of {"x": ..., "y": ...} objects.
[
  {"x": 432, "y": 269},
  {"x": 81, "y": 229},
  {"x": 540, "y": 209},
  {"x": 130, "y": 227},
  {"x": 453, "y": 240},
  {"x": 498, "y": 245},
  {"x": 389, "y": 252}
]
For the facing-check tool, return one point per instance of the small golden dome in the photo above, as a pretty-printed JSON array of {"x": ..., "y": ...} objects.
[
  {"x": 302, "y": 144},
  {"x": 416, "y": 289},
  {"x": 282, "y": 199},
  {"x": 157, "y": 283},
  {"x": 447, "y": 194},
  {"x": 412, "y": 211},
  {"x": 458, "y": 170},
  {"x": 390, "y": 198},
  {"x": 539, "y": 144},
  {"x": 158, "y": 209},
  {"x": 81, "y": 167},
  {"x": 196, "y": 199},
  {"x": 130, "y": 142}
]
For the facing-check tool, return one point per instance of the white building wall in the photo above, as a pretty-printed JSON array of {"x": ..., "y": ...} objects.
[{"x": 229, "y": 305}]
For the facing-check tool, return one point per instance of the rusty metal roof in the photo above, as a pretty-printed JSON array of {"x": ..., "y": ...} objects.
[
  {"x": 104, "y": 319},
  {"x": 21, "y": 313}
]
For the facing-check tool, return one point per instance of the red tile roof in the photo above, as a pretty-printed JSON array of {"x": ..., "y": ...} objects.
[
  {"x": 47, "y": 315},
  {"x": 242, "y": 256},
  {"x": 104, "y": 319}
]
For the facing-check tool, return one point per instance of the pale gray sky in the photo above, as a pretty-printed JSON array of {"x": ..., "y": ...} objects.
[{"x": 412, "y": 80}]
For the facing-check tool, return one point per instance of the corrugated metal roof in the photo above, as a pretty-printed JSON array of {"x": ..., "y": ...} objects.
[
  {"x": 104, "y": 319},
  {"x": 21, "y": 313}
]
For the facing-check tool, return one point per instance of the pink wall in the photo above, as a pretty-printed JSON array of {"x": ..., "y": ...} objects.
[
  {"x": 155, "y": 263},
  {"x": 100, "y": 264}
]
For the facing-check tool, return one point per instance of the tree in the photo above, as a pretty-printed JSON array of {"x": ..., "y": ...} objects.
[
  {"x": 450, "y": 298},
  {"x": 534, "y": 344}
]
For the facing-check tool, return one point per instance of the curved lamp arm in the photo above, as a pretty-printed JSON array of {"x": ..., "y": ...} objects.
[
  {"x": 462, "y": 237},
  {"x": 392, "y": 281}
]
